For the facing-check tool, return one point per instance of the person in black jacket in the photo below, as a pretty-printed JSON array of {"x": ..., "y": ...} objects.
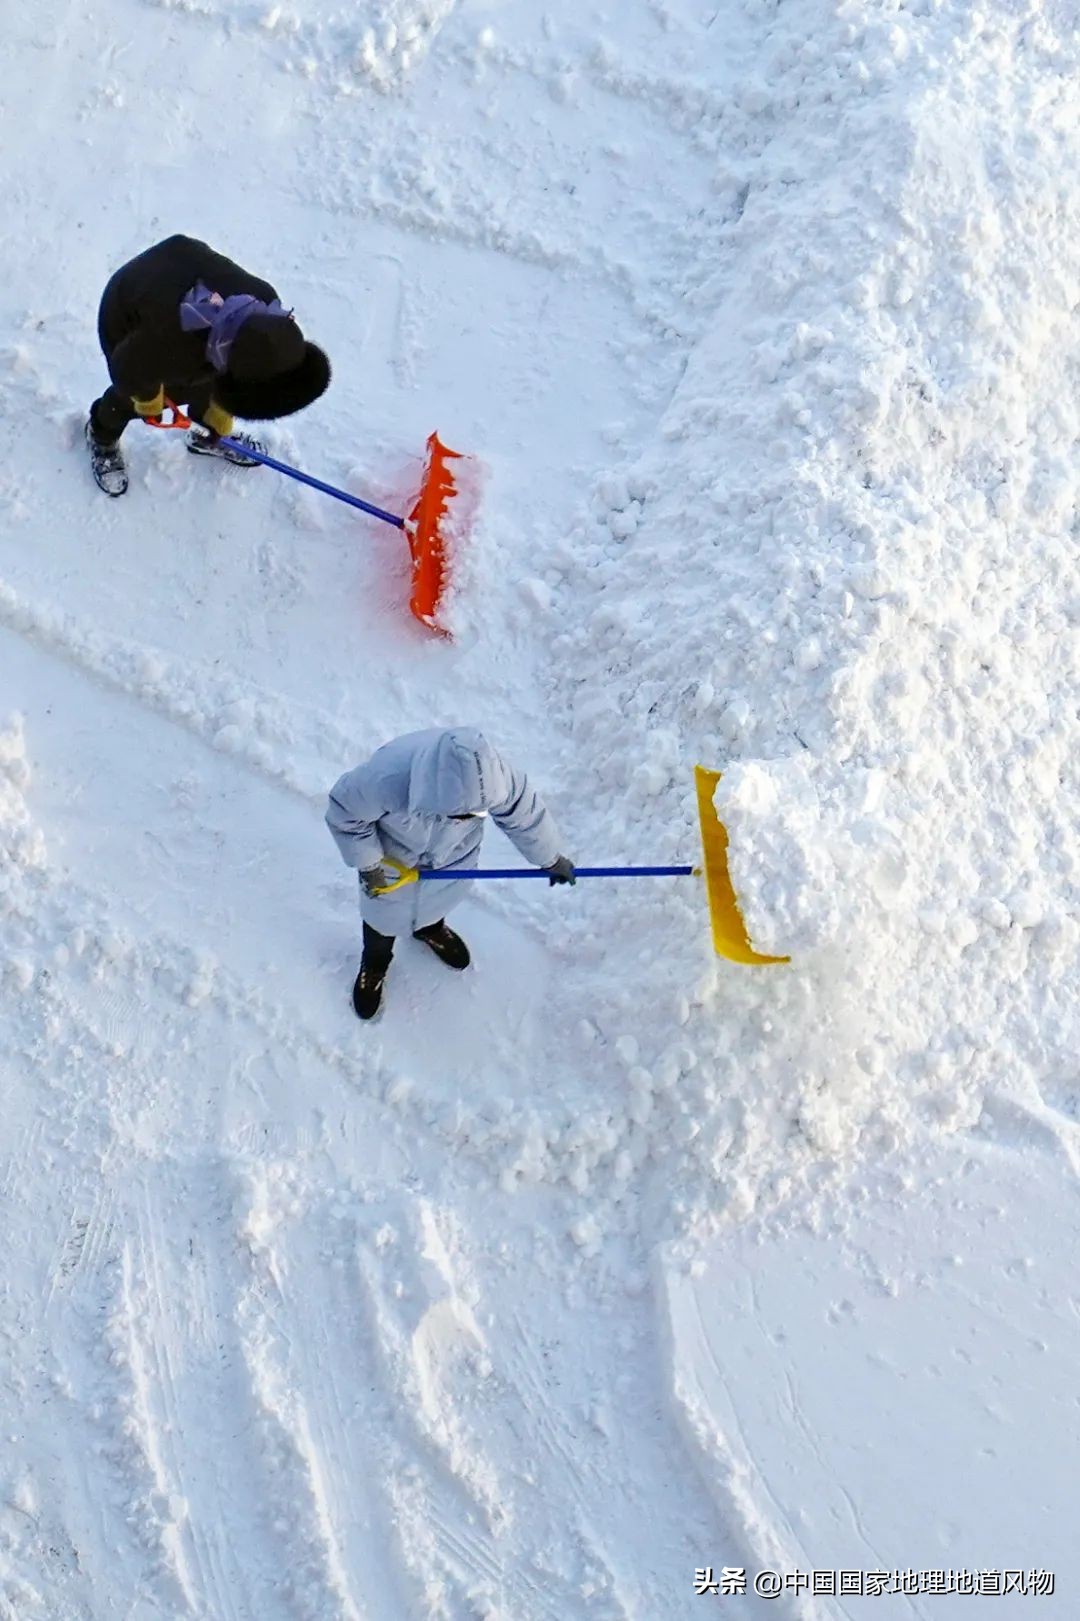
[{"x": 182, "y": 324}]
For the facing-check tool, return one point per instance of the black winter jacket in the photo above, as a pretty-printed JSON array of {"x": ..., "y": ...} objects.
[{"x": 139, "y": 319}]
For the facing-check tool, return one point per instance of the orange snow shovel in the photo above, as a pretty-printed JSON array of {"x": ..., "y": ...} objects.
[
  {"x": 426, "y": 533},
  {"x": 425, "y": 528},
  {"x": 728, "y": 929}
]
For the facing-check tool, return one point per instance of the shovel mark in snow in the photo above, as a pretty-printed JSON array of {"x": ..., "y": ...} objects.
[
  {"x": 202, "y": 1404},
  {"x": 133, "y": 1480},
  {"x": 162, "y": 1331},
  {"x": 547, "y": 1425},
  {"x": 23, "y": 1156},
  {"x": 226, "y": 711},
  {"x": 86, "y": 1243},
  {"x": 421, "y": 1326},
  {"x": 459, "y": 1509},
  {"x": 324, "y": 1504}
]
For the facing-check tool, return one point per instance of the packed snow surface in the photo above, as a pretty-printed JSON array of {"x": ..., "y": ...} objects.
[{"x": 607, "y": 1261}]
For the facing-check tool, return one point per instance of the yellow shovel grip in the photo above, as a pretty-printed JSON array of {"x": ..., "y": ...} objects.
[{"x": 408, "y": 875}]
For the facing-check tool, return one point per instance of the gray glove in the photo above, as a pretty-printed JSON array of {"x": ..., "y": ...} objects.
[
  {"x": 374, "y": 879},
  {"x": 561, "y": 871}
]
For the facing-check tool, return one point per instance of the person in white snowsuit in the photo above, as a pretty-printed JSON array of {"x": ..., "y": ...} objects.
[{"x": 422, "y": 801}]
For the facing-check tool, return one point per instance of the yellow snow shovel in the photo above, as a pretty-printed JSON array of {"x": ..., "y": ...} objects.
[{"x": 728, "y": 929}]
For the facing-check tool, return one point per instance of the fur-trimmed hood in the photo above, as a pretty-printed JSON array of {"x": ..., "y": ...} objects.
[{"x": 265, "y": 399}]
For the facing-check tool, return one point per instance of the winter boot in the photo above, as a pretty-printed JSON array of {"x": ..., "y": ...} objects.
[
  {"x": 106, "y": 463},
  {"x": 201, "y": 442},
  {"x": 368, "y": 988},
  {"x": 449, "y": 947}
]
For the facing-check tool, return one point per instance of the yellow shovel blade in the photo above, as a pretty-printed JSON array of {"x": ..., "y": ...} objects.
[{"x": 728, "y": 929}]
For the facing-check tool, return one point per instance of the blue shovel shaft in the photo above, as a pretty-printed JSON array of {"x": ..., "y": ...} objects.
[
  {"x": 315, "y": 483},
  {"x": 541, "y": 872}
]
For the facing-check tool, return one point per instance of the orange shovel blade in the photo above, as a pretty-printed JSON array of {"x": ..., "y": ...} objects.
[{"x": 428, "y": 529}]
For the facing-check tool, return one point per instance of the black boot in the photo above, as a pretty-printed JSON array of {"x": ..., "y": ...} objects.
[
  {"x": 106, "y": 463},
  {"x": 367, "y": 991},
  {"x": 449, "y": 947},
  {"x": 202, "y": 442},
  {"x": 375, "y": 960}
]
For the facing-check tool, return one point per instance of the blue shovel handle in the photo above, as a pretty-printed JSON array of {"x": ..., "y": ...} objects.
[
  {"x": 315, "y": 483},
  {"x": 541, "y": 872}
]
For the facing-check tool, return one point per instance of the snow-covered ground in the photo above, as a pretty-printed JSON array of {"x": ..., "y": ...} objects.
[{"x": 607, "y": 1262}]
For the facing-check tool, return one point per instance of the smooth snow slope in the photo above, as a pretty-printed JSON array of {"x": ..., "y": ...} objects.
[{"x": 758, "y": 317}]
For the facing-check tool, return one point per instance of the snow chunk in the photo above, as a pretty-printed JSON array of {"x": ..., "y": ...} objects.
[{"x": 780, "y": 856}]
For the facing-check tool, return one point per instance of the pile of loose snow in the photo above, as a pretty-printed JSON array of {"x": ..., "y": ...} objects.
[
  {"x": 811, "y": 864},
  {"x": 375, "y": 43},
  {"x": 845, "y": 576}
]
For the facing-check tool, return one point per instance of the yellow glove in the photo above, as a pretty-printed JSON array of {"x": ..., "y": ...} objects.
[
  {"x": 217, "y": 420},
  {"x": 151, "y": 408},
  {"x": 377, "y": 881}
]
